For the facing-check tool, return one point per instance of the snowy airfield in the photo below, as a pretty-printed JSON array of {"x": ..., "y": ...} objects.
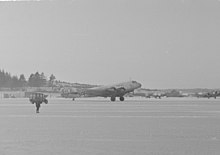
[{"x": 138, "y": 126}]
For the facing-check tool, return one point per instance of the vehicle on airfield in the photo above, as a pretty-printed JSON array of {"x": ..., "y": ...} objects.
[
  {"x": 112, "y": 91},
  {"x": 70, "y": 93}
]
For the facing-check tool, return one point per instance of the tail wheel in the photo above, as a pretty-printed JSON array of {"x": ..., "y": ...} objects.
[
  {"x": 112, "y": 99},
  {"x": 122, "y": 98}
]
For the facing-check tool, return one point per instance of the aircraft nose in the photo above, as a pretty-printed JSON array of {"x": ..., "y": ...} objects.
[{"x": 139, "y": 85}]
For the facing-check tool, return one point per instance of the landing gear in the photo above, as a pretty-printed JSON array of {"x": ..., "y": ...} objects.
[
  {"x": 112, "y": 99},
  {"x": 122, "y": 98}
]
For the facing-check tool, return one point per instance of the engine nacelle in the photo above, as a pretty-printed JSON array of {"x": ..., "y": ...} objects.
[{"x": 121, "y": 90}]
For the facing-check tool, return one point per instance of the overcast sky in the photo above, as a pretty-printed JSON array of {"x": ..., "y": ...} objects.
[{"x": 160, "y": 43}]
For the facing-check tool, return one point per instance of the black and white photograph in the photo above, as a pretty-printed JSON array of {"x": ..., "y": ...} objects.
[{"x": 109, "y": 77}]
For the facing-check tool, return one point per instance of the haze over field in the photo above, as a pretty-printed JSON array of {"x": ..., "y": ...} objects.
[{"x": 162, "y": 44}]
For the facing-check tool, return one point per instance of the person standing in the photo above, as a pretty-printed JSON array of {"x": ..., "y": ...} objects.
[
  {"x": 37, "y": 106},
  {"x": 38, "y": 98}
]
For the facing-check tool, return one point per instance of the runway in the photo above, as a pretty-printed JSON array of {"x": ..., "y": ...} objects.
[{"x": 177, "y": 126}]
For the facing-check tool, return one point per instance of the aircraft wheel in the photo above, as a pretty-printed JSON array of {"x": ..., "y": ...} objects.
[
  {"x": 112, "y": 99},
  {"x": 73, "y": 99},
  {"x": 122, "y": 98}
]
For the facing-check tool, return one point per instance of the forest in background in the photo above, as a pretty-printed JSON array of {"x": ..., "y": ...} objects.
[{"x": 34, "y": 80}]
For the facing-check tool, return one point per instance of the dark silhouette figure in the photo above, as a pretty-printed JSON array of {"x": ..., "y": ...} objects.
[
  {"x": 37, "y": 106},
  {"x": 38, "y": 98}
]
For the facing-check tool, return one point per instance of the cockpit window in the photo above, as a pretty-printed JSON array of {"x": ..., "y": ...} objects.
[{"x": 134, "y": 82}]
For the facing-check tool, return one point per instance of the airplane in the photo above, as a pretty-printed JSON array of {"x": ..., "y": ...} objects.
[
  {"x": 156, "y": 95},
  {"x": 112, "y": 91},
  {"x": 208, "y": 95},
  {"x": 175, "y": 93}
]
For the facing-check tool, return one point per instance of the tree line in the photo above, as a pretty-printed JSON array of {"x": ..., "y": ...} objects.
[{"x": 35, "y": 80}]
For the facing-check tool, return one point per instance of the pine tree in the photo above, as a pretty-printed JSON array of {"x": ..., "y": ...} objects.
[
  {"x": 22, "y": 81},
  {"x": 51, "y": 80}
]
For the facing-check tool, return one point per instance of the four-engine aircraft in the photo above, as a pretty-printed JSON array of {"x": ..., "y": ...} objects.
[{"x": 112, "y": 91}]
